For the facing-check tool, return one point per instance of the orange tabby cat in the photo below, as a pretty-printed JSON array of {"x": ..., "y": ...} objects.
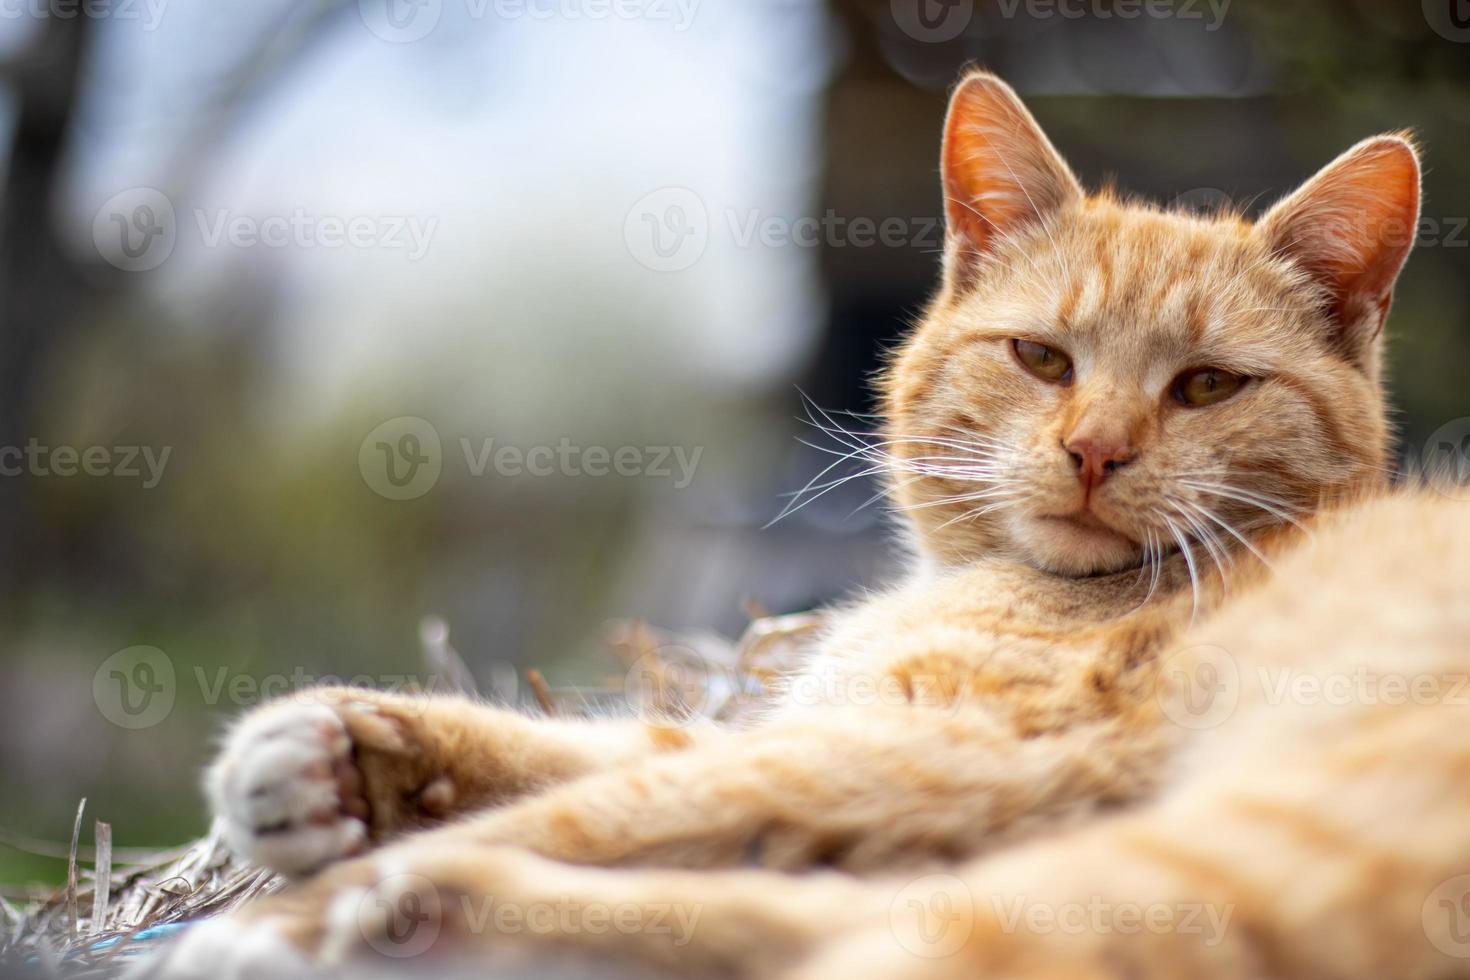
[{"x": 1143, "y": 455}]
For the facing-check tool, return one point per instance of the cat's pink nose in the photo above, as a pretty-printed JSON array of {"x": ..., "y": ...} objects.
[{"x": 1095, "y": 458}]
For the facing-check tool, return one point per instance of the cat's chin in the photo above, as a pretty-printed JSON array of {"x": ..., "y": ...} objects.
[{"x": 1066, "y": 545}]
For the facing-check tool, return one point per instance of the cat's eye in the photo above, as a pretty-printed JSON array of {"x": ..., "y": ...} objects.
[
  {"x": 1047, "y": 363},
  {"x": 1206, "y": 386}
]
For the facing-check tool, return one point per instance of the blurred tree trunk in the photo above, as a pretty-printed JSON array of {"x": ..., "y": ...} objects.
[
  {"x": 39, "y": 288},
  {"x": 45, "y": 290}
]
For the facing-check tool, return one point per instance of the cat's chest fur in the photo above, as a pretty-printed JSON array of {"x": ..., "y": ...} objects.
[{"x": 1039, "y": 653}]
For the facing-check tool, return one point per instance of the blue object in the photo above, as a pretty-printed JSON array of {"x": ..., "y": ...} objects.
[{"x": 146, "y": 936}]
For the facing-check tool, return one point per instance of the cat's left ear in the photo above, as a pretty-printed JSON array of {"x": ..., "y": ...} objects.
[{"x": 1350, "y": 228}]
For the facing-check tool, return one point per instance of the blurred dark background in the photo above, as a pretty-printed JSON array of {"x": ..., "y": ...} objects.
[{"x": 280, "y": 282}]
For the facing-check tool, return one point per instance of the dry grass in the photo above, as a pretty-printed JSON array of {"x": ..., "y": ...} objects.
[
  {"x": 89, "y": 927},
  {"x": 118, "y": 901}
]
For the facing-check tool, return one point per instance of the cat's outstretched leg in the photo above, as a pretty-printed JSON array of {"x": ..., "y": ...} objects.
[
  {"x": 329, "y": 772},
  {"x": 863, "y": 790},
  {"x": 420, "y": 902}
]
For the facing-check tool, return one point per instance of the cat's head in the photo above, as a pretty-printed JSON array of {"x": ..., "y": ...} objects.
[{"x": 1096, "y": 378}]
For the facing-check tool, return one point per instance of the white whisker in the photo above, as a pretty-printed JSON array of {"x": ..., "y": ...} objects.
[
  {"x": 1211, "y": 515},
  {"x": 1183, "y": 541},
  {"x": 1157, "y": 573},
  {"x": 1274, "y": 506},
  {"x": 1205, "y": 537},
  {"x": 972, "y": 514},
  {"x": 968, "y": 458}
]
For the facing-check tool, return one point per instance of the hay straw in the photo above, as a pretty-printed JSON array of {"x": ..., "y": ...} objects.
[
  {"x": 153, "y": 890},
  {"x": 542, "y": 692},
  {"x": 179, "y": 885},
  {"x": 71, "y": 872},
  {"x": 102, "y": 874}
]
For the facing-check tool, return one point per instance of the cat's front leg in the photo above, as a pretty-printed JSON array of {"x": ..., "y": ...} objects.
[
  {"x": 425, "y": 902},
  {"x": 329, "y": 772},
  {"x": 864, "y": 790}
]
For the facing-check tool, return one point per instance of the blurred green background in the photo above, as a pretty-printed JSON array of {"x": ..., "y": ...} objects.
[{"x": 572, "y": 229}]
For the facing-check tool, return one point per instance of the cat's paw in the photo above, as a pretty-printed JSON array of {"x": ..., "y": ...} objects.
[
  {"x": 226, "y": 948},
  {"x": 373, "y": 912},
  {"x": 287, "y": 790},
  {"x": 426, "y": 906}
]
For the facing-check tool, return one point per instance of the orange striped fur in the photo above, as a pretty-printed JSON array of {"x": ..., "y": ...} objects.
[{"x": 1100, "y": 731}]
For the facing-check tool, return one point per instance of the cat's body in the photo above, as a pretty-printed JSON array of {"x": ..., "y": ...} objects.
[{"x": 1137, "y": 449}]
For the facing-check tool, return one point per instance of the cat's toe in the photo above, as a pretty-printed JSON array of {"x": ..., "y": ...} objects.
[{"x": 287, "y": 791}]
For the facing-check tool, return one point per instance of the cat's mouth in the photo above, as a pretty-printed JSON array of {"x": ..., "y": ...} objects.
[
  {"x": 1086, "y": 523},
  {"x": 1084, "y": 518}
]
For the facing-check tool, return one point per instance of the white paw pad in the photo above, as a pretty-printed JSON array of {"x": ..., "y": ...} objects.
[{"x": 287, "y": 791}]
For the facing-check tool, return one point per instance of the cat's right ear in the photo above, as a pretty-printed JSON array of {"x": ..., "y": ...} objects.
[
  {"x": 1001, "y": 174},
  {"x": 1350, "y": 229}
]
